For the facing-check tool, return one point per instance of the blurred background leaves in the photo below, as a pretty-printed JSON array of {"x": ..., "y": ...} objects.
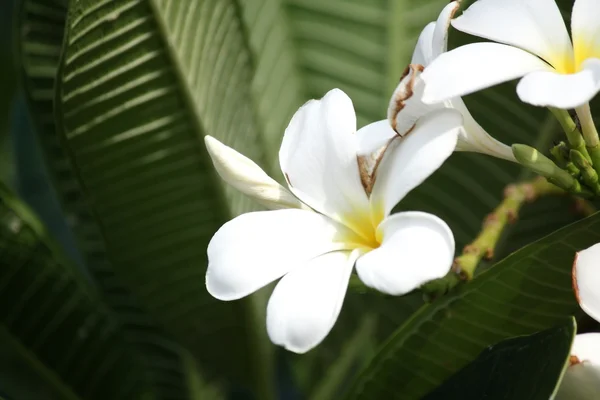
[{"x": 106, "y": 147}]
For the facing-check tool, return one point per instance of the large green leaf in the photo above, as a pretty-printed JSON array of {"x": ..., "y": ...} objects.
[
  {"x": 40, "y": 32},
  {"x": 137, "y": 90},
  {"x": 527, "y": 367},
  {"x": 528, "y": 291},
  {"x": 53, "y": 320}
]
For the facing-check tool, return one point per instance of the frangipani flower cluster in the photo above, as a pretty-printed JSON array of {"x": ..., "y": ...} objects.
[{"x": 333, "y": 218}]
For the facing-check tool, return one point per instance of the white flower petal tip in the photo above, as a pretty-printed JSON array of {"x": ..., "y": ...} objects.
[
  {"x": 247, "y": 177},
  {"x": 551, "y": 89},
  {"x": 440, "y": 35},
  {"x": 582, "y": 377},
  {"x": 586, "y": 280},
  {"x": 417, "y": 248},
  {"x": 476, "y": 66},
  {"x": 306, "y": 302}
]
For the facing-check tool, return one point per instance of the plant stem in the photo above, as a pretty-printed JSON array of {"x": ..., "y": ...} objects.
[
  {"x": 590, "y": 134},
  {"x": 515, "y": 196},
  {"x": 572, "y": 132}
]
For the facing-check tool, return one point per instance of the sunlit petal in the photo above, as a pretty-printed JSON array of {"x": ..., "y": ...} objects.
[
  {"x": 550, "y": 89},
  {"x": 307, "y": 301},
  {"x": 247, "y": 177},
  {"x": 254, "y": 249},
  {"x": 318, "y": 158},
  {"x": 440, "y": 34},
  {"x": 417, "y": 247},
  {"x": 476, "y": 66},
  {"x": 585, "y": 28},
  {"x": 533, "y": 25},
  {"x": 411, "y": 160}
]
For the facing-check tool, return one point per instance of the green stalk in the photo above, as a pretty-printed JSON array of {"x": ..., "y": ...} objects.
[{"x": 572, "y": 132}]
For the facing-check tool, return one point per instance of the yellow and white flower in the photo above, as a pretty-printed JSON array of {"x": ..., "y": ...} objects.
[
  {"x": 533, "y": 44},
  {"x": 334, "y": 217}
]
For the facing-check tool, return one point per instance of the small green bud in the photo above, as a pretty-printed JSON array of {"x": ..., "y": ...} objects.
[{"x": 539, "y": 163}]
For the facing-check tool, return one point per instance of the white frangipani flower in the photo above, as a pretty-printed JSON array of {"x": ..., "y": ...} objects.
[
  {"x": 582, "y": 378},
  {"x": 535, "y": 45},
  {"x": 335, "y": 215},
  {"x": 406, "y": 105}
]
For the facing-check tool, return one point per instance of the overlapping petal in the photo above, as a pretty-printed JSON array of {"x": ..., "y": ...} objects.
[
  {"x": 582, "y": 377},
  {"x": 318, "y": 158},
  {"x": 476, "y": 66},
  {"x": 417, "y": 247},
  {"x": 550, "y": 89},
  {"x": 406, "y": 104},
  {"x": 423, "y": 53},
  {"x": 408, "y": 162},
  {"x": 247, "y": 177},
  {"x": 256, "y": 248},
  {"x": 586, "y": 280},
  {"x": 532, "y": 25},
  {"x": 306, "y": 302},
  {"x": 585, "y": 29}
]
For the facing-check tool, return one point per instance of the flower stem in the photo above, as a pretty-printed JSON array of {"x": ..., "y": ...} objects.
[
  {"x": 572, "y": 132},
  {"x": 590, "y": 134},
  {"x": 484, "y": 245}
]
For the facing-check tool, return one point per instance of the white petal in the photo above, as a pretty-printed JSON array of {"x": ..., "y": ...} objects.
[
  {"x": 254, "y": 249},
  {"x": 474, "y": 138},
  {"x": 582, "y": 378},
  {"x": 372, "y": 137},
  {"x": 409, "y": 161},
  {"x": 550, "y": 89},
  {"x": 423, "y": 53},
  {"x": 476, "y": 66},
  {"x": 585, "y": 29},
  {"x": 318, "y": 158},
  {"x": 247, "y": 177},
  {"x": 406, "y": 105},
  {"x": 417, "y": 247},
  {"x": 440, "y": 35},
  {"x": 533, "y": 25},
  {"x": 586, "y": 280},
  {"x": 306, "y": 302}
]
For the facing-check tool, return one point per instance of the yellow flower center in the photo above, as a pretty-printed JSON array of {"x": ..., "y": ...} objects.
[
  {"x": 573, "y": 63},
  {"x": 364, "y": 225}
]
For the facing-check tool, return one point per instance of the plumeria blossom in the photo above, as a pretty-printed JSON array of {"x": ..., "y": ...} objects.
[
  {"x": 333, "y": 217},
  {"x": 582, "y": 378},
  {"x": 533, "y": 44},
  {"x": 407, "y": 106}
]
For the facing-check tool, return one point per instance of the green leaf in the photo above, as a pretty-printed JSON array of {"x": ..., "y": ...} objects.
[
  {"x": 39, "y": 31},
  {"x": 54, "y": 322},
  {"x": 527, "y": 367},
  {"x": 528, "y": 291},
  {"x": 136, "y": 93}
]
